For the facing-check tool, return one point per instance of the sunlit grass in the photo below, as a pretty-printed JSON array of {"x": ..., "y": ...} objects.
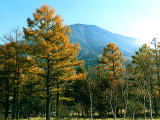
[
  {"x": 40, "y": 118},
  {"x": 43, "y": 118},
  {"x": 70, "y": 119}
]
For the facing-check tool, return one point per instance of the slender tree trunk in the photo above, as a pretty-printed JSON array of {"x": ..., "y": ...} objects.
[
  {"x": 134, "y": 114},
  {"x": 82, "y": 111},
  {"x": 6, "y": 97},
  {"x": 144, "y": 98},
  {"x": 126, "y": 95},
  {"x": 157, "y": 109},
  {"x": 57, "y": 101},
  {"x": 47, "y": 92},
  {"x": 125, "y": 111},
  {"x": 150, "y": 101},
  {"x": 47, "y": 103},
  {"x": 14, "y": 103},
  {"x": 17, "y": 107},
  {"x": 115, "y": 114},
  {"x": 115, "y": 108},
  {"x": 6, "y": 105},
  {"x": 125, "y": 103},
  {"x": 17, "y": 83}
]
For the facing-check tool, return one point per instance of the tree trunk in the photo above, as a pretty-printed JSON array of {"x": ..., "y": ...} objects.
[
  {"x": 6, "y": 105},
  {"x": 47, "y": 102},
  {"x": 17, "y": 111},
  {"x": 134, "y": 114},
  {"x": 17, "y": 83},
  {"x": 125, "y": 103},
  {"x": 17, "y": 107},
  {"x": 82, "y": 112},
  {"x": 115, "y": 114},
  {"x": 47, "y": 92},
  {"x": 125, "y": 111},
  {"x": 90, "y": 96},
  {"x": 150, "y": 101},
  {"x": 144, "y": 106},
  {"x": 57, "y": 101},
  {"x": 126, "y": 95},
  {"x": 114, "y": 111},
  {"x": 6, "y": 102},
  {"x": 14, "y": 103}
]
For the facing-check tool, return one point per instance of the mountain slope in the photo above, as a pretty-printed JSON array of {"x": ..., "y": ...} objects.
[{"x": 93, "y": 39}]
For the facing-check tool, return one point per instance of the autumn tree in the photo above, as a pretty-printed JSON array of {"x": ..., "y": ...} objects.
[
  {"x": 14, "y": 53},
  {"x": 32, "y": 93},
  {"x": 52, "y": 50},
  {"x": 8, "y": 75},
  {"x": 111, "y": 65},
  {"x": 156, "y": 57},
  {"x": 5, "y": 81},
  {"x": 77, "y": 94},
  {"x": 144, "y": 75}
]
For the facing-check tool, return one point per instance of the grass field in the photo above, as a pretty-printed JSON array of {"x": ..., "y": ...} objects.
[{"x": 38, "y": 118}]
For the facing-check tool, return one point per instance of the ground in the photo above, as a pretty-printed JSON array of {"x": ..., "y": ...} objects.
[{"x": 83, "y": 119}]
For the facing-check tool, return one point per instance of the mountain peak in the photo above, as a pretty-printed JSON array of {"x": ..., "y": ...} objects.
[{"x": 93, "y": 39}]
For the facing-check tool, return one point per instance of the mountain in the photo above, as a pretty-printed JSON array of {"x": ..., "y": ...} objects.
[{"x": 93, "y": 39}]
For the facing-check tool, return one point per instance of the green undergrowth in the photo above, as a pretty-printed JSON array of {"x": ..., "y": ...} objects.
[{"x": 40, "y": 118}]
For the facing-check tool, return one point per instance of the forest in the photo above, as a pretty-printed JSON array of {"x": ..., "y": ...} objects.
[{"x": 41, "y": 76}]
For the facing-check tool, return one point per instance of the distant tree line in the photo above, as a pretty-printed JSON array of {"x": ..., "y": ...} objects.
[{"x": 40, "y": 75}]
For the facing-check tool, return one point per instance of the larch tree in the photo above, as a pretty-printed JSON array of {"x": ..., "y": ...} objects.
[
  {"x": 5, "y": 81},
  {"x": 11, "y": 74},
  {"x": 125, "y": 89},
  {"x": 32, "y": 93},
  {"x": 13, "y": 63},
  {"x": 52, "y": 50},
  {"x": 13, "y": 55},
  {"x": 156, "y": 58},
  {"x": 111, "y": 64},
  {"x": 144, "y": 74}
]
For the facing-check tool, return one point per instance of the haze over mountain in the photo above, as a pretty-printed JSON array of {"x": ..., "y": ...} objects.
[{"x": 93, "y": 39}]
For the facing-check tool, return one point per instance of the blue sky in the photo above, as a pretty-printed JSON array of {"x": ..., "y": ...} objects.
[{"x": 137, "y": 18}]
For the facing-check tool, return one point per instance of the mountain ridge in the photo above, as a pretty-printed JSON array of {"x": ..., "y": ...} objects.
[{"x": 92, "y": 39}]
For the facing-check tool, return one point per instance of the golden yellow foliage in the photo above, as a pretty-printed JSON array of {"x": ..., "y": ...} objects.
[
  {"x": 112, "y": 60},
  {"x": 51, "y": 50}
]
